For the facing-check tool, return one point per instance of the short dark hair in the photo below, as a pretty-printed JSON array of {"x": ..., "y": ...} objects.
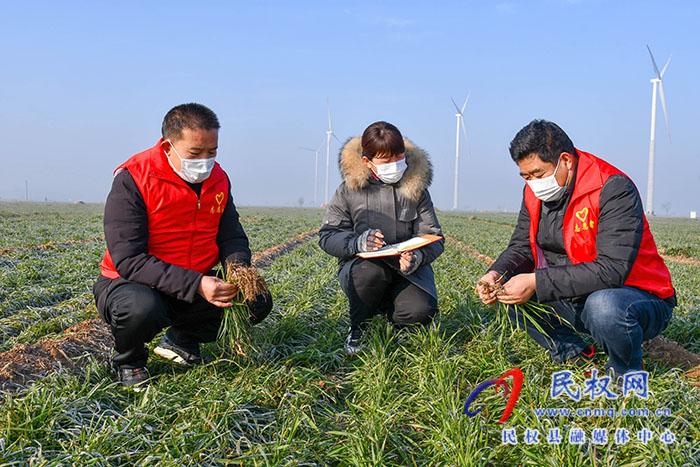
[
  {"x": 382, "y": 138},
  {"x": 192, "y": 116},
  {"x": 543, "y": 138}
]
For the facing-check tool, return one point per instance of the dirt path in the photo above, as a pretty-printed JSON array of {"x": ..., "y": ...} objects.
[
  {"x": 466, "y": 248},
  {"x": 679, "y": 258},
  {"x": 91, "y": 338},
  {"x": 264, "y": 258},
  {"x": 659, "y": 349}
]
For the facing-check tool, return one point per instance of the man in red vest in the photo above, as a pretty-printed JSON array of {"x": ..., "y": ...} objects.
[
  {"x": 169, "y": 219},
  {"x": 581, "y": 245}
]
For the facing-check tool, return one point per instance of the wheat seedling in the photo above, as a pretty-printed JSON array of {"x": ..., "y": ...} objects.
[{"x": 234, "y": 331}]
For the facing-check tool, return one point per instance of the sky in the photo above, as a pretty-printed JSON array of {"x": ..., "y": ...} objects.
[{"x": 85, "y": 85}]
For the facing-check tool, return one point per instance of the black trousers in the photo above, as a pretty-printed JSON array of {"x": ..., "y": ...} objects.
[
  {"x": 375, "y": 287},
  {"x": 136, "y": 313}
]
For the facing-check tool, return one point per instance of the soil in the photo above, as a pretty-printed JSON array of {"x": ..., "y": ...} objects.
[
  {"x": 27, "y": 362},
  {"x": 264, "y": 258},
  {"x": 671, "y": 353},
  {"x": 681, "y": 259},
  {"x": 466, "y": 248}
]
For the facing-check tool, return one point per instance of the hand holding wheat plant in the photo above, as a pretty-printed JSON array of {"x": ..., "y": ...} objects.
[
  {"x": 234, "y": 331},
  {"x": 491, "y": 289}
]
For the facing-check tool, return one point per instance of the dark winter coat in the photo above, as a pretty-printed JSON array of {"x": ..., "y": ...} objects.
[
  {"x": 401, "y": 211},
  {"x": 126, "y": 234},
  {"x": 620, "y": 229}
]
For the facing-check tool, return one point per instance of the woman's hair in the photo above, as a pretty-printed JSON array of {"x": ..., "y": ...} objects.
[{"x": 382, "y": 139}]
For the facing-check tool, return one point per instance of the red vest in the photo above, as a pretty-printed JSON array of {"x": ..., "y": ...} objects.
[
  {"x": 182, "y": 229},
  {"x": 581, "y": 228}
]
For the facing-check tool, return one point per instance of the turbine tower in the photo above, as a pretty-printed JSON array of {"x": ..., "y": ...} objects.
[
  {"x": 315, "y": 151},
  {"x": 460, "y": 123},
  {"x": 658, "y": 83},
  {"x": 329, "y": 133}
]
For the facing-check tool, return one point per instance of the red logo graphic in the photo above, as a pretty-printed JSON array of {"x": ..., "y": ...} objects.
[{"x": 514, "y": 394}]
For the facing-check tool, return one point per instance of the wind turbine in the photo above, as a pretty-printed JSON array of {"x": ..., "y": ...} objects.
[
  {"x": 460, "y": 122},
  {"x": 329, "y": 133},
  {"x": 315, "y": 151},
  {"x": 658, "y": 83}
]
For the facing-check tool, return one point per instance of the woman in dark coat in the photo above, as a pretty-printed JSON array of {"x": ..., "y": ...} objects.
[{"x": 383, "y": 199}]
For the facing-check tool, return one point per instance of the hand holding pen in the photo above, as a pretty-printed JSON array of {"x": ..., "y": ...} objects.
[{"x": 370, "y": 240}]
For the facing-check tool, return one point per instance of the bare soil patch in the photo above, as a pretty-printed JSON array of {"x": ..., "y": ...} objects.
[
  {"x": 466, "y": 248},
  {"x": 27, "y": 362},
  {"x": 264, "y": 258}
]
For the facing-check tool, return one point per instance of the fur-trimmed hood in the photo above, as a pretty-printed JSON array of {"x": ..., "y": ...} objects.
[{"x": 357, "y": 175}]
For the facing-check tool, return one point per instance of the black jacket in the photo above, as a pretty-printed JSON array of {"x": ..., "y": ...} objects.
[
  {"x": 126, "y": 235},
  {"x": 620, "y": 228}
]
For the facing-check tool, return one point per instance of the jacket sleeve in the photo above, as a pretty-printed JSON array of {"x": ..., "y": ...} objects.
[
  {"x": 337, "y": 236},
  {"x": 232, "y": 239},
  {"x": 126, "y": 235},
  {"x": 517, "y": 257},
  {"x": 427, "y": 224},
  {"x": 620, "y": 228}
]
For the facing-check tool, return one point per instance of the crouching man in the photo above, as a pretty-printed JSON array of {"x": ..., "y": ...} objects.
[
  {"x": 169, "y": 219},
  {"x": 582, "y": 245}
]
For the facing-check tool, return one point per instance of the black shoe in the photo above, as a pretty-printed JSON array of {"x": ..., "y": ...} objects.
[
  {"x": 400, "y": 333},
  {"x": 585, "y": 359},
  {"x": 136, "y": 378},
  {"x": 177, "y": 354},
  {"x": 352, "y": 342},
  {"x": 616, "y": 380}
]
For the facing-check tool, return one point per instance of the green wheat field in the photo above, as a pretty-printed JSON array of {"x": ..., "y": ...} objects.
[{"x": 298, "y": 400}]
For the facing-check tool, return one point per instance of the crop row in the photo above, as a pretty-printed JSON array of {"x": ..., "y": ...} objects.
[
  {"x": 31, "y": 224},
  {"x": 298, "y": 401},
  {"x": 44, "y": 291}
]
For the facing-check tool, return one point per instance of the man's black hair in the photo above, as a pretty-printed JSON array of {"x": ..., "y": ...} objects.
[
  {"x": 543, "y": 138},
  {"x": 192, "y": 116}
]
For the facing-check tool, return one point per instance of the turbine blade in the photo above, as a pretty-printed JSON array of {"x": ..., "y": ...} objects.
[
  {"x": 306, "y": 149},
  {"x": 464, "y": 130},
  {"x": 330, "y": 127},
  {"x": 466, "y": 100},
  {"x": 663, "y": 105},
  {"x": 656, "y": 69},
  {"x": 455, "y": 104},
  {"x": 321, "y": 145},
  {"x": 666, "y": 66},
  {"x": 336, "y": 138}
]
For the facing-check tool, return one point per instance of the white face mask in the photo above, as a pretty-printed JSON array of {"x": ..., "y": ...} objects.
[
  {"x": 547, "y": 188},
  {"x": 391, "y": 172},
  {"x": 193, "y": 170}
]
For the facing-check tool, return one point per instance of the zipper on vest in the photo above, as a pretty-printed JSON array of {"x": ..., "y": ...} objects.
[{"x": 192, "y": 234}]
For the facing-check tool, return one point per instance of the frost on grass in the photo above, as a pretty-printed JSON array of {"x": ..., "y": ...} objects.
[{"x": 25, "y": 363}]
